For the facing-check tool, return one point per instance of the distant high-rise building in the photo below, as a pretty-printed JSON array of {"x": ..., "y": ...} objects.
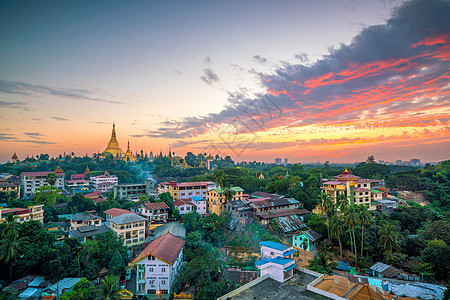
[
  {"x": 398, "y": 162},
  {"x": 285, "y": 161},
  {"x": 415, "y": 161},
  {"x": 278, "y": 161}
]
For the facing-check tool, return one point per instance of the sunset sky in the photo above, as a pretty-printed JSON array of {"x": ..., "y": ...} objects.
[{"x": 304, "y": 80}]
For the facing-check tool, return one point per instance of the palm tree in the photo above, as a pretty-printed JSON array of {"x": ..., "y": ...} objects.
[
  {"x": 326, "y": 205},
  {"x": 321, "y": 263},
  {"x": 109, "y": 288},
  {"x": 351, "y": 220},
  {"x": 337, "y": 229},
  {"x": 51, "y": 179},
  {"x": 228, "y": 193},
  {"x": 342, "y": 202},
  {"x": 11, "y": 223},
  {"x": 364, "y": 218},
  {"x": 219, "y": 176},
  {"x": 10, "y": 248},
  {"x": 388, "y": 237}
]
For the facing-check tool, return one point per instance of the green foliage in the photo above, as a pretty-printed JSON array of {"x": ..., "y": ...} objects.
[
  {"x": 117, "y": 264},
  {"x": 395, "y": 259},
  {"x": 79, "y": 203},
  {"x": 437, "y": 254},
  {"x": 109, "y": 288},
  {"x": 412, "y": 218},
  {"x": 51, "y": 179},
  {"x": 321, "y": 263},
  {"x": 82, "y": 290},
  {"x": 47, "y": 195},
  {"x": 437, "y": 230},
  {"x": 168, "y": 199}
]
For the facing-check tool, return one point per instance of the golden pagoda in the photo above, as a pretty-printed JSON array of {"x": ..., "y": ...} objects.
[
  {"x": 261, "y": 176},
  {"x": 58, "y": 170},
  {"x": 128, "y": 155},
  {"x": 14, "y": 157},
  {"x": 113, "y": 145}
]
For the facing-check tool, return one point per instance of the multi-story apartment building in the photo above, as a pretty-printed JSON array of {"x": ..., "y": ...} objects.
[
  {"x": 133, "y": 191},
  {"x": 158, "y": 264},
  {"x": 358, "y": 190},
  {"x": 114, "y": 212},
  {"x": 103, "y": 183},
  {"x": 8, "y": 187},
  {"x": 76, "y": 181},
  {"x": 153, "y": 211},
  {"x": 185, "y": 190},
  {"x": 216, "y": 199},
  {"x": 131, "y": 227},
  {"x": 33, "y": 212},
  {"x": 30, "y": 182}
]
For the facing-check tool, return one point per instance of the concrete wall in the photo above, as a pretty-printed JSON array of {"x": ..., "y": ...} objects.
[{"x": 243, "y": 288}]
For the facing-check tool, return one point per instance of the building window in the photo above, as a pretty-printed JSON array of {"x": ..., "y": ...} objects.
[
  {"x": 151, "y": 291},
  {"x": 163, "y": 269},
  {"x": 163, "y": 282},
  {"x": 150, "y": 269}
]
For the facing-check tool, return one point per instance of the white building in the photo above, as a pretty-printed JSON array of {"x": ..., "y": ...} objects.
[
  {"x": 30, "y": 182},
  {"x": 130, "y": 227},
  {"x": 103, "y": 183},
  {"x": 276, "y": 260},
  {"x": 200, "y": 202},
  {"x": 185, "y": 206},
  {"x": 158, "y": 211},
  {"x": 186, "y": 190},
  {"x": 158, "y": 264},
  {"x": 76, "y": 181}
]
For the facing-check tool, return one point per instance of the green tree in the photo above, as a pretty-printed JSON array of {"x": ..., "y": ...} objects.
[
  {"x": 117, "y": 264},
  {"x": 389, "y": 237},
  {"x": 364, "y": 218},
  {"x": 228, "y": 193},
  {"x": 219, "y": 177},
  {"x": 11, "y": 223},
  {"x": 109, "y": 288},
  {"x": 336, "y": 230},
  {"x": 168, "y": 199},
  {"x": 51, "y": 179},
  {"x": 351, "y": 220},
  {"x": 437, "y": 254},
  {"x": 321, "y": 263},
  {"x": 82, "y": 290},
  {"x": 176, "y": 213},
  {"x": 11, "y": 248},
  {"x": 437, "y": 230},
  {"x": 326, "y": 206}
]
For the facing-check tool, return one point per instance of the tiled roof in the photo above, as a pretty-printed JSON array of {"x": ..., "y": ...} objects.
[
  {"x": 41, "y": 173},
  {"x": 199, "y": 183},
  {"x": 127, "y": 218},
  {"x": 166, "y": 248},
  {"x": 157, "y": 205},
  {"x": 180, "y": 202},
  {"x": 117, "y": 212},
  {"x": 284, "y": 212},
  {"x": 312, "y": 235}
]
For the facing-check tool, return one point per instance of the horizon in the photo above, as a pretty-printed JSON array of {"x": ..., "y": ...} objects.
[{"x": 256, "y": 81}]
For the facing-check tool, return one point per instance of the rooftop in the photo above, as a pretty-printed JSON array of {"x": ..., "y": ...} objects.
[
  {"x": 295, "y": 288},
  {"x": 166, "y": 248},
  {"x": 88, "y": 231},
  {"x": 233, "y": 188},
  {"x": 157, "y": 205},
  {"x": 176, "y": 229},
  {"x": 274, "y": 245},
  {"x": 117, "y": 212},
  {"x": 127, "y": 218}
]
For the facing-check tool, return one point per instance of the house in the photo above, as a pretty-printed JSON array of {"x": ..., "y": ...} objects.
[
  {"x": 9, "y": 187},
  {"x": 266, "y": 203},
  {"x": 276, "y": 260},
  {"x": 76, "y": 182},
  {"x": 59, "y": 228},
  {"x": 158, "y": 264},
  {"x": 310, "y": 236},
  {"x": 88, "y": 232},
  {"x": 134, "y": 190},
  {"x": 158, "y": 211},
  {"x": 60, "y": 287},
  {"x": 381, "y": 270},
  {"x": 84, "y": 219},
  {"x": 240, "y": 211},
  {"x": 216, "y": 199},
  {"x": 185, "y": 205},
  {"x": 130, "y": 227},
  {"x": 185, "y": 190},
  {"x": 33, "y": 212},
  {"x": 104, "y": 183},
  {"x": 200, "y": 202},
  {"x": 114, "y": 212}
]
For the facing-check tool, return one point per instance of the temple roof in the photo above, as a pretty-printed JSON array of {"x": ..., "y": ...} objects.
[{"x": 113, "y": 145}]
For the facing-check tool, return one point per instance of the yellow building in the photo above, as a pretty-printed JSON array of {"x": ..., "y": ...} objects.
[
  {"x": 34, "y": 212},
  {"x": 357, "y": 190},
  {"x": 216, "y": 199},
  {"x": 8, "y": 187},
  {"x": 131, "y": 227}
]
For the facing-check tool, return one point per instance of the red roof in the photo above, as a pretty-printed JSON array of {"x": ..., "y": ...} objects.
[
  {"x": 166, "y": 248},
  {"x": 77, "y": 177},
  {"x": 117, "y": 212},
  {"x": 41, "y": 173},
  {"x": 94, "y": 194},
  {"x": 202, "y": 183},
  {"x": 180, "y": 202},
  {"x": 157, "y": 205},
  {"x": 5, "y": 211}
]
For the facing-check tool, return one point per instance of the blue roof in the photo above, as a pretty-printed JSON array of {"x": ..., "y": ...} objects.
[
  {"x": 198, "y": 198},
  {"x": 289, "y": 253},
  {"x": 281, "y": 261},
  {"x": 261, "y": 262},
  {"x": 274, "y": 245},
  {"x": 289, "y": 268}
]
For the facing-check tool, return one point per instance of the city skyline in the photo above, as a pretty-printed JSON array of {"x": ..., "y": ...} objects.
[{"x": 253, "y": 80}]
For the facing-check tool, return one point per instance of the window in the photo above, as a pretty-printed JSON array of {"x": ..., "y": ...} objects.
[
  {"x": 163, "y": 282},
  {"x": 163, "y": 269},
  {"x": 151, "y": 291},
  {"x": 150, "y": 269}
]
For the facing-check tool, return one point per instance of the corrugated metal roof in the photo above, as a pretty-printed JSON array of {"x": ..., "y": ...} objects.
[
  {"x": 290, "y": 223},
  {"x": 379, "y": 267}
]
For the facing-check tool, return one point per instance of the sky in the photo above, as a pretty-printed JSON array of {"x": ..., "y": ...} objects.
[{"x": 304, "y": 80}]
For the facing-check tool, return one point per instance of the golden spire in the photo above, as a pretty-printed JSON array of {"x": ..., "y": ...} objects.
[
  {"x": 14, "y": 157},
  {"x": 128, "y": 155},
  {"x": 113, "y": 145},
  {"x": 58, "y": 170},
  {"x": 87, "y": 170}
]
